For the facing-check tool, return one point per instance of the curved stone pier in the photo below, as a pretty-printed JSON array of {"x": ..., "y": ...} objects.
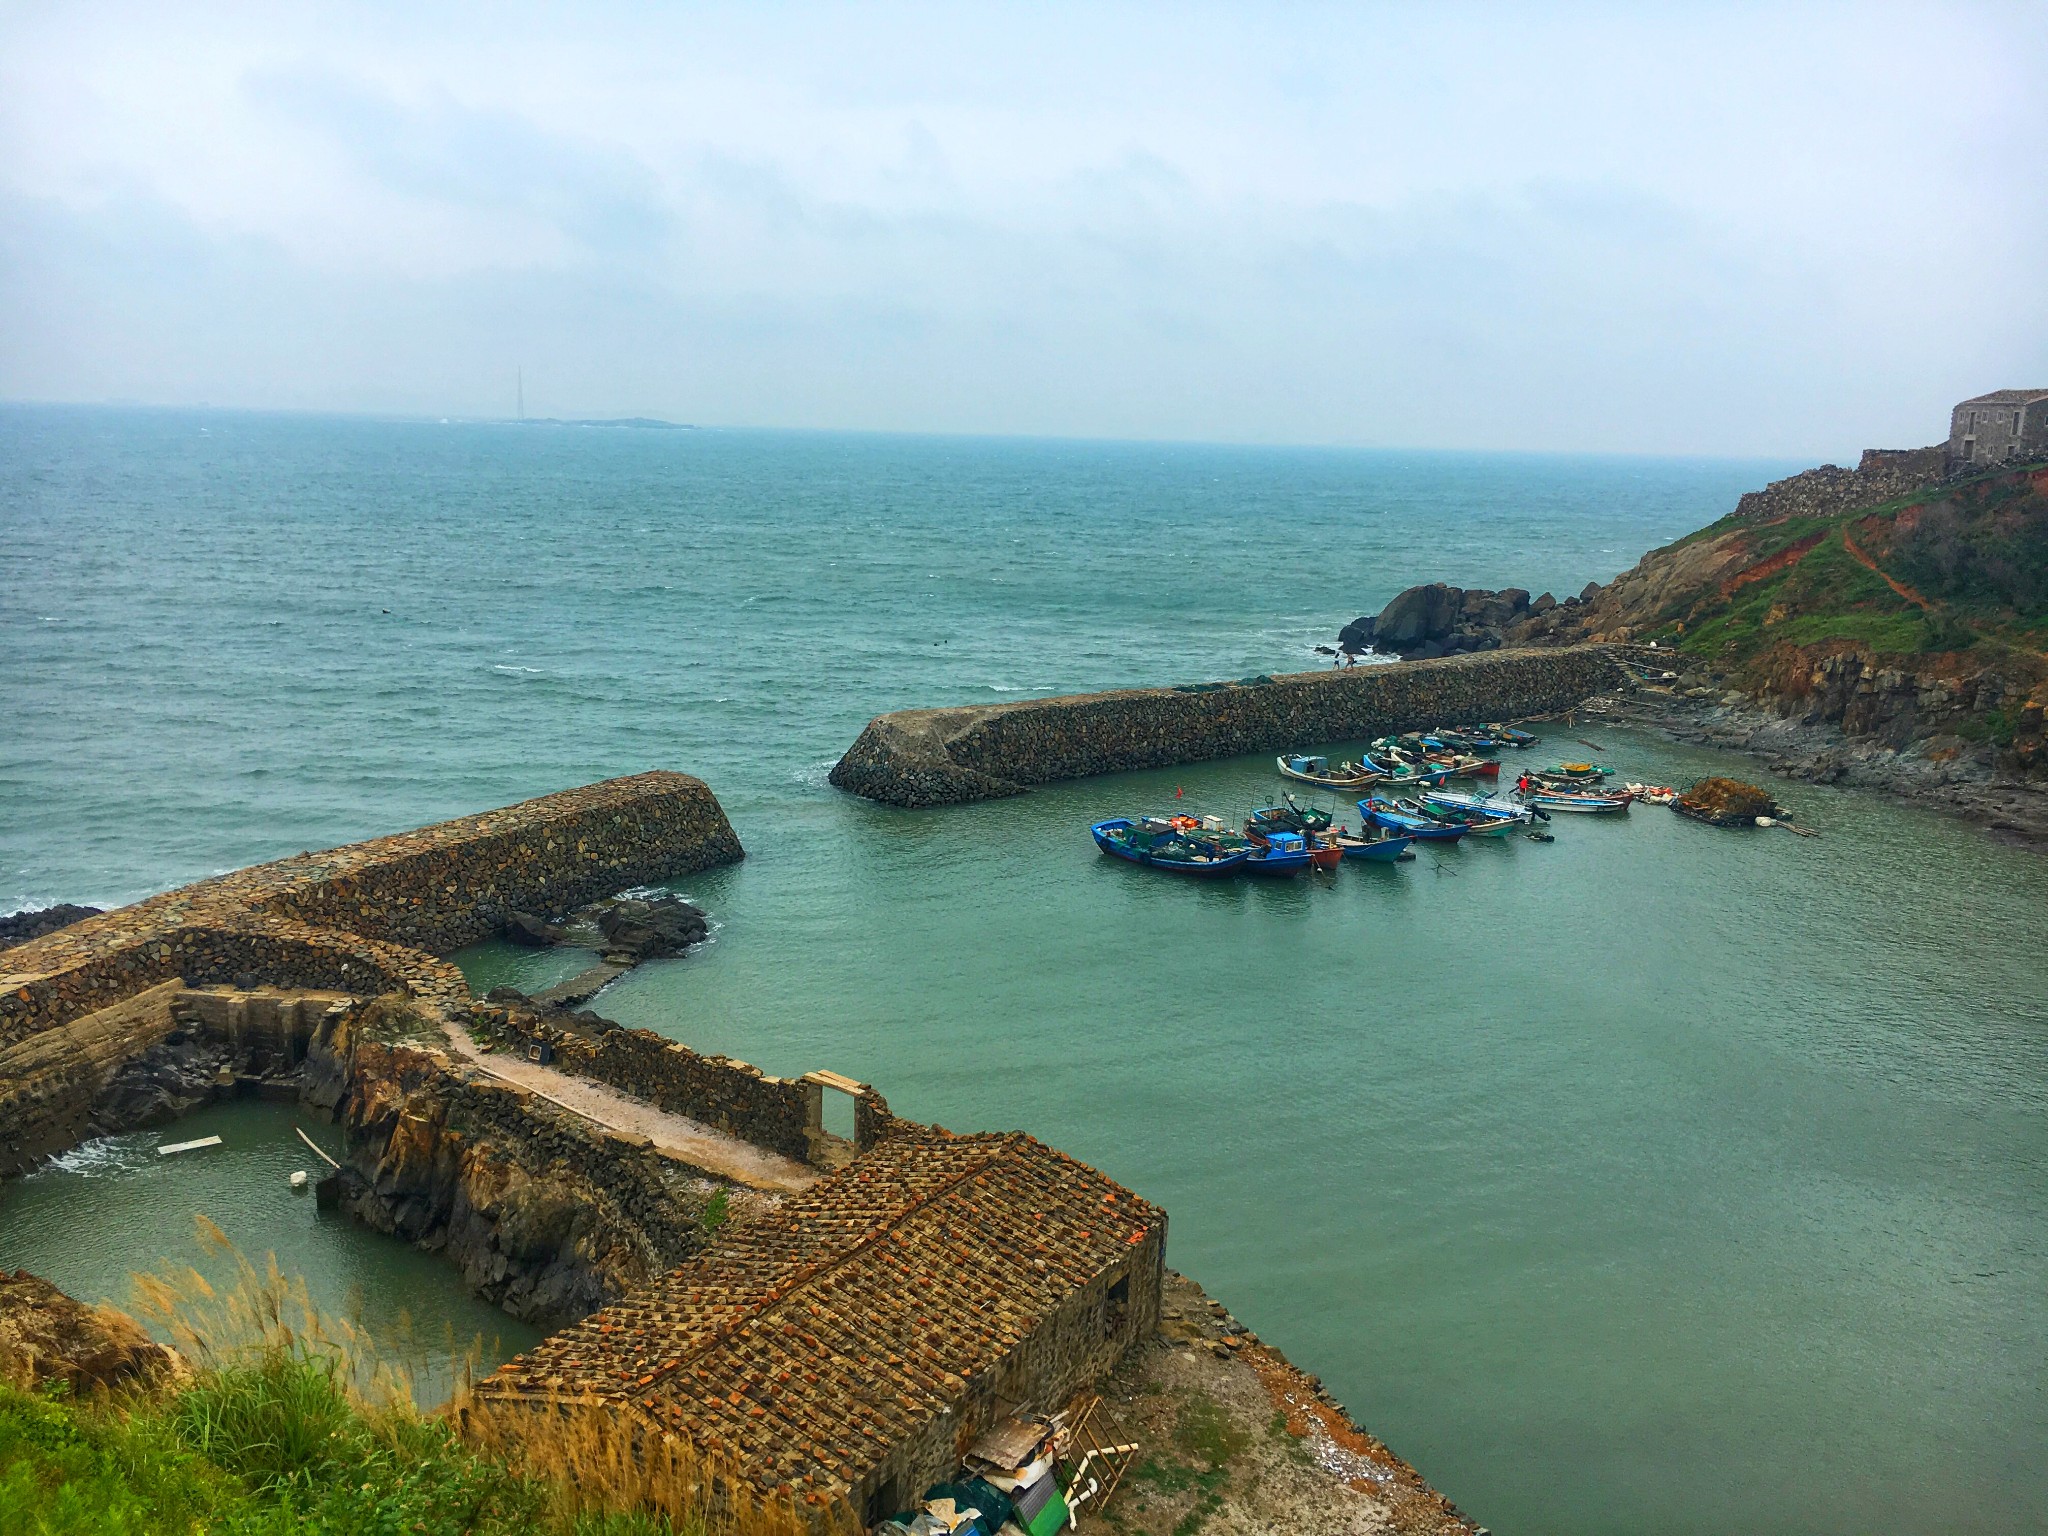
[
  {"x": 364, "y": 919},
  {"x": 922, "y": 757}
]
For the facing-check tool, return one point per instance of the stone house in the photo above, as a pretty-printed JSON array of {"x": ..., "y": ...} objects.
[
  {"x": 841, "y": 1351},
  {"x": 2005, "y": 424}
]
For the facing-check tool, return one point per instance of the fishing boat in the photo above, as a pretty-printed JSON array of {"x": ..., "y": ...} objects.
[
  {"x": 1294, "y": 819},
  {"x": 1180, "y": 851},
  {"x": 1383, "y": 849},
  {"x": 1450, "y": 804},
  {"x": 1409, "y": 821},
  {"x": 1317, "y": 771},
  {"x": 1282, "y": 853},
  {"x": 1579, "y": 771},
  {"x": 1580, "y": 804},
  {"x": 1430, "y": 755},
  {"x": 1652, "y": 794},
  {"x": 1565, "y": 783},
  {"x": 1402, "y": 772},
  {"x": 1291, "y": 817},
  {"x": 1511, "y": 737}
]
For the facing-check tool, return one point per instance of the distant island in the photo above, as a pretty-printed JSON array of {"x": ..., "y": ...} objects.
[{"x": 647, "y": 422}]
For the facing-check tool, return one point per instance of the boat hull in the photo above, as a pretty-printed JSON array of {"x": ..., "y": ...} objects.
[
  {"x": 1383, "y": 850},
  {"x": 1410, "y": 826},
  {"x": 1104, "y": 834},
  {"x": 1326, "y": 781},
  {"x": 1581, "y": 805}
]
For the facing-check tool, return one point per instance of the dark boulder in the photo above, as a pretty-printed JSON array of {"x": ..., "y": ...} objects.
[
  {"x": 1590, "y": 591},
  {"x": 20, "y": 927},
  {"x": 636, "y": 929},
  {"x": 1543, "y": 604},
  {"x": 530, "y": 932},
  {"x": 1357, "y": 636},
  {"x": 1417, "y": 616}
]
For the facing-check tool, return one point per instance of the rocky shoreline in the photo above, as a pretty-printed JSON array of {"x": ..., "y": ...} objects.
[{"x": 1943, "y": 774}]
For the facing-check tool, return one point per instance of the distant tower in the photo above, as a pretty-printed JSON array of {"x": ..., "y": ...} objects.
[{"x": 522, "y": 392}]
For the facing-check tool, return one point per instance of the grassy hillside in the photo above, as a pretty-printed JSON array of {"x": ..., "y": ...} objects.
[
  {"x": 277, "y": 1446},
  {"x": 1944, "y": 570}
]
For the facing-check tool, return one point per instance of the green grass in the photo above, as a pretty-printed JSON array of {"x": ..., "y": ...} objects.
[
  {"x": 1204, "y": 1431},
  {"x": 1828, "y": 595},
  {"x": 270, "y": 1448}
]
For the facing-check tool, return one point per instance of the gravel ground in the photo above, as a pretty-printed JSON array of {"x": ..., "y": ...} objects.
[{"x": 1235, "y": 1441}]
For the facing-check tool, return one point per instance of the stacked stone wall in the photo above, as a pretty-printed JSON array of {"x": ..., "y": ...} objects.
[
  {"x": 364, "y": 919},
  {"x": 780, "y": 1114},
  {"x": 1882, "y": 475},
  {"x": 948, "y": 756}
]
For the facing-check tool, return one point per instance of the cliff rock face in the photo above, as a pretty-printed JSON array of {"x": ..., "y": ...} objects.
[
  {"x": 544, "y": 1214},
  {"x": 47, "y": 1336}
]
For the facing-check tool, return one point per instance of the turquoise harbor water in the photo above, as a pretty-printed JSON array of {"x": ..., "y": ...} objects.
[{"x": 1652, "y": 1179}]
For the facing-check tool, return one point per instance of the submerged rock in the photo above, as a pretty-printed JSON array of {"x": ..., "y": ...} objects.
[{"x": 530, "y": 932}]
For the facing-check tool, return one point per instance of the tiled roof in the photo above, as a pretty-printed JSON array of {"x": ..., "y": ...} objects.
[
  {"x": 2008, "y": 397},
  {"x": 806, "y": 1344}
]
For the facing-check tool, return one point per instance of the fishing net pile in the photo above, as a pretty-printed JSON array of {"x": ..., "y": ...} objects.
[{"x": 1725, "y": 803}]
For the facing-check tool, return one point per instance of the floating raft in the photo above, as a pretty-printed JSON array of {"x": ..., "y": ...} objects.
[{"x": 187, "y": 1146}]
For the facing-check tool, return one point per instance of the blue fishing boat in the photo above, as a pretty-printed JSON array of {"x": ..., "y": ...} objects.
[
  {"x": 1401, "y": 773},
  {"x": 1284, "y": 853},
  {"x": 1409, "y": 821},
  {"x": 1178, "y": 850},
  {"x": 1383, "y": 849},
  {"x": 1460, "y": 807}
]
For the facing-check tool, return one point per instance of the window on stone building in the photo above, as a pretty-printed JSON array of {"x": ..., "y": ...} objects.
[{"x": 1116, "y": 1307}]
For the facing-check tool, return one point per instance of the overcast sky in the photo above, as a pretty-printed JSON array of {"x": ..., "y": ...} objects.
[{"x": 1688, "y": 228}]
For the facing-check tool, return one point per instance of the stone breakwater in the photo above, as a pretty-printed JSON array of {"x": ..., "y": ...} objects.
[
  {"x": 364, "y": 919},
  {"x": 925, "y": 757}
]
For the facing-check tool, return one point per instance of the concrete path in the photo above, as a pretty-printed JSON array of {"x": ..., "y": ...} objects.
[{"x": 685, "y": 1139}]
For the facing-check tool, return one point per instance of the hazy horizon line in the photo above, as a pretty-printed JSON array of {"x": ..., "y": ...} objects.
[{"x": 398, "y": 417}]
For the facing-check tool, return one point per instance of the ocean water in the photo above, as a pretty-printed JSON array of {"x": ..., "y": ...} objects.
[{"x": 1654, "y": 1178}]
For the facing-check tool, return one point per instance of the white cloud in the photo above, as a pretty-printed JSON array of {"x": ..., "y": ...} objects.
[{"x": 1710, "y": 228}]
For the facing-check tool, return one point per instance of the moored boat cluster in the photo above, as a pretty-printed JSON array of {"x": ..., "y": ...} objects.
[{"x": 1409, "y": 798}]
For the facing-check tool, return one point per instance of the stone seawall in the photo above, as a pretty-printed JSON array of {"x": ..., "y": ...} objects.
[
  {"x": 364, "y": 919},
  {"x": 924, "y": 757}
]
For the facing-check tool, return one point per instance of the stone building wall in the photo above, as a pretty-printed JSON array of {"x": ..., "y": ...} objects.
[
  {"x": 1993, "y": 429},
  {"x": 949, "y": 756},
  {"x": 1072, "y": 1348}
]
